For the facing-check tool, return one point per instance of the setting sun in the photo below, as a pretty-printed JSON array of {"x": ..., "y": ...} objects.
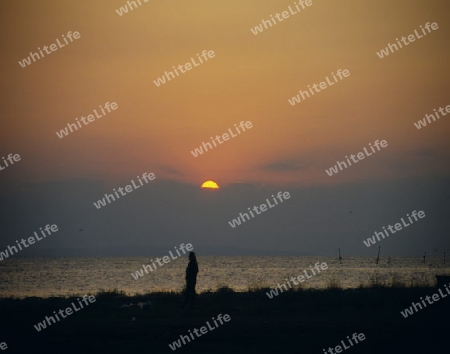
[{"x": 210, "y": 185}]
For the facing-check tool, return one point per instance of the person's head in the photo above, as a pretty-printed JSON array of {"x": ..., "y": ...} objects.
[{"x": 192, "y": 257}]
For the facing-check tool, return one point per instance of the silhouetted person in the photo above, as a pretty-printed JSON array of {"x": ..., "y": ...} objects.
[{"x": 191, "y": 279}]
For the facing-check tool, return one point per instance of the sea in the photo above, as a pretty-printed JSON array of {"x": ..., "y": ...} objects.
[{"x": 48, "y": 277}]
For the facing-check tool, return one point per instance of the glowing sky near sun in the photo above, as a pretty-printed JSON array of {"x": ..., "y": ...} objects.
[{"x": 157, "y": 127}]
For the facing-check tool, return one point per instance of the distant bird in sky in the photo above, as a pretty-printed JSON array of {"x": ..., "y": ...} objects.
[{"x": 80, "y": 230}]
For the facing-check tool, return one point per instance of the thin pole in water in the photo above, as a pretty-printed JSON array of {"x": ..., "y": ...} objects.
[{"x": 378, "y": 257}]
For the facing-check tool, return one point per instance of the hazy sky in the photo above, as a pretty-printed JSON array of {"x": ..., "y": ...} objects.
[{"x": 250, "y": 78}]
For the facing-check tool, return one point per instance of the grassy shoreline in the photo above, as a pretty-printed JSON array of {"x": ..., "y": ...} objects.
[{"x": 308, "y": 319}]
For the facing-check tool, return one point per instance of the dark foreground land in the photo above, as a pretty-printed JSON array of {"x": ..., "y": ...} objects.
[{"x": 292, "y": 322}]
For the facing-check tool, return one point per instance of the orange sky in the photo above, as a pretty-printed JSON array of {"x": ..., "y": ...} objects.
[{"x": 250, "y": 78}]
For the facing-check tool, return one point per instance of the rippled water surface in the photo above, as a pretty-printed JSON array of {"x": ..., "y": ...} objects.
[{"x": 46, "y": 277}]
